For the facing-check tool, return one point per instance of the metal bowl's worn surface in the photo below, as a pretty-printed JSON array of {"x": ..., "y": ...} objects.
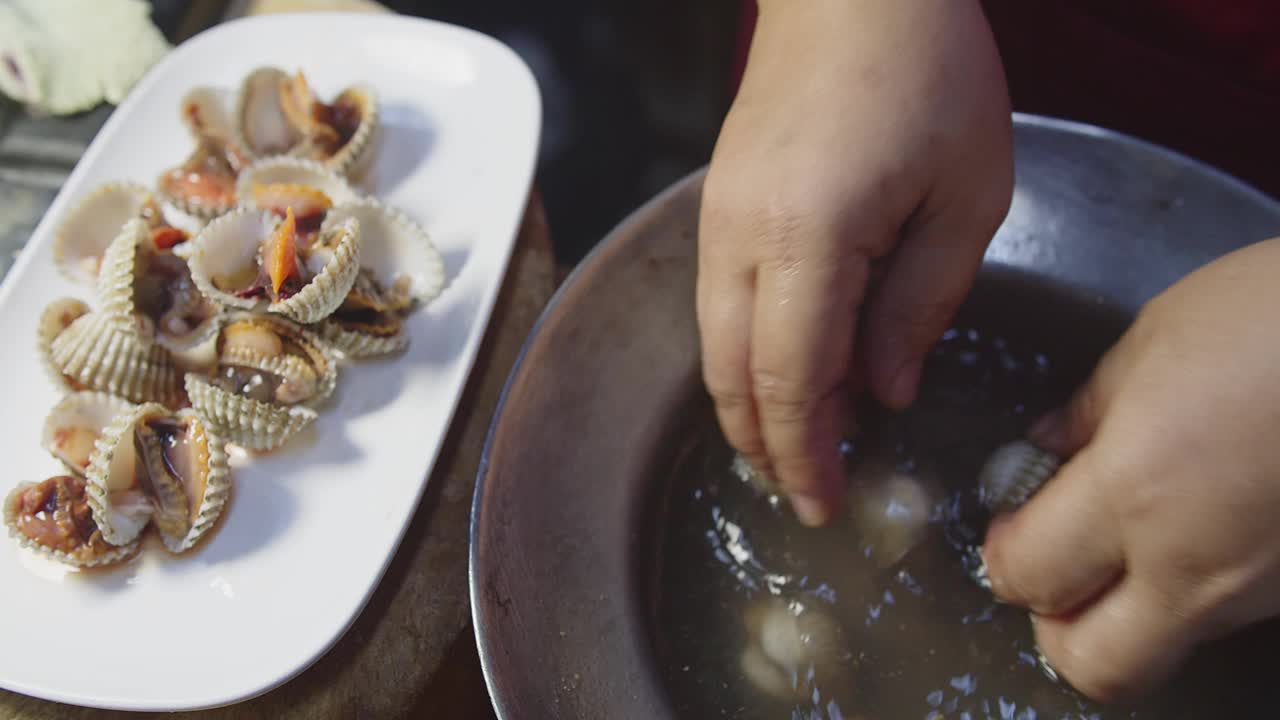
[{"x": 559, "y": 530}]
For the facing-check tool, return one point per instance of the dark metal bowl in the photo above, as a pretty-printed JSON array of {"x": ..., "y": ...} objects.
[{"x": 560, "y": 527}]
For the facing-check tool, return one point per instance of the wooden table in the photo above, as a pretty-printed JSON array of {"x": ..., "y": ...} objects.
[{"x": 411, "y": 653}]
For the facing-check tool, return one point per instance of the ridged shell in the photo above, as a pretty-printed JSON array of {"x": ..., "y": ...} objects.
[
  {"x": 319, "y": 355},
  {"x": 97, "y": 354},
  {"x": 89, "y": 411},
  {"x": 392, "y": 244},
  {"x": 294, "y": 171},
  {"x": 90, "y": 226},
  {"x": 200, "y": 210},
  {"x": 1014, "y": 473},
  {"x": 56, "y": 317},
  {"x": 249, "y": 423},
  {"x": 232, "y": 242},
  {"x": 119, "y": 554},
  {"x": 353, "y": 158},
  {"x": 354, "y": 344},
  {"x": 206, "y": 113},
  {"x": 117, "y": 283},
  {"x": 180, "y": 525},
  {"x": 120, "y": 505},
  {"x": 260, "y": 125}
]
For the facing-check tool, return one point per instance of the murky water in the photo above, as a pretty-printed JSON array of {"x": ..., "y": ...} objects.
[{"x": 876, "y": 616}]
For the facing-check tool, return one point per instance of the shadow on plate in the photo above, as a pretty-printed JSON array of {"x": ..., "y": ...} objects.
[{"x": 404, "y": 142}]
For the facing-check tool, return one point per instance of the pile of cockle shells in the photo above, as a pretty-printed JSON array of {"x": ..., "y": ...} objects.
[{"x": 224, "y": 301}]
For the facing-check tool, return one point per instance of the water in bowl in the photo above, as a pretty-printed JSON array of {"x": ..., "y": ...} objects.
[{"x": 877, "y": 616}]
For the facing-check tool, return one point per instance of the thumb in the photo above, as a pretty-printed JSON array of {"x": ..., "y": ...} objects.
[{"x": 1061, "y": 548}]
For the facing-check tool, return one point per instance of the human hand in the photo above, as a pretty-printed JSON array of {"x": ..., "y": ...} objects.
[
  {"x": 864, "y": 130},
  {"x": 1160, "y": 532}
]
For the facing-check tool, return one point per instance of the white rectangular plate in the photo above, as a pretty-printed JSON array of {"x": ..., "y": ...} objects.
[{"x": 310, "y": 529}]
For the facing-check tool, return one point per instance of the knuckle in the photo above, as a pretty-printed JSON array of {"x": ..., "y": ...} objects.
[{"x": 784, "y": 398}]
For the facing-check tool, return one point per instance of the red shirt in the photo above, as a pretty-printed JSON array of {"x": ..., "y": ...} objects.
[{"x": 1199, "y": 76}]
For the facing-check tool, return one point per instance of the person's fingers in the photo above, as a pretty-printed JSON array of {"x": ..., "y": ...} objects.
[
  {"x": 805, "y": 321},
  {"x": 1120, "y": 646},
  {"x": 726, "y": 308},
  {"x": 1060, "y": 549},
  {"x": 1066, "y": 430},
  {"x": 929, "y": 275}
]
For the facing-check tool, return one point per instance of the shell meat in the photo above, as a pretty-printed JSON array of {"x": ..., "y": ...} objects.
[
  {"x": 339, "y": 134},
  {"x": 400, "y": 268},
  {"x": 100, "y": 353},
  {"x": 150, "y": 288},
  {"x": 274, "y": 182},
  {"x": 56, "y": 317},
  {"x": 159, "y": 467},
  {"x": 74, "y": 426},
  {"x": 204, "y": 184},
  {"x": 252, "y": 260},
  {"x": 279, "y": 114},
  {"x": 53, "y": 518},
  {"x": 270, "y": 377},
  {"x": 89, "y": 227},
  {"x": 205, "y": 113},
  {"x": 260, "y": 123}
]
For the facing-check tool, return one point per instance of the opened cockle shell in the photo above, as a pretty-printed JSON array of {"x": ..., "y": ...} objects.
[
  {"x": 53, "y": 518},
  {"x": 76, "y": 423},
  {"x": 271, "y": 375},
  {"x": 56, "y": 317},
  {"x": 97, "y": 353},
  {"x": 260, "y": 124},
  {"x": 340, "y": 134},
  {"x": 285, "y": 170},
  {"x": 151, "y": 290},
  {"x": 251, "y": 424},
  {"x": 229, "y": 265},
  {"x": 116, "y": 490},
  {"x": 168, "y": 469},
  {"x": 206, "y": 113},
  {"x": 204, "y": 184},
  {"x": 1014, "y": 473},
  {"x": 399, "y": 268},
  {"x": 89, "y": 227},
  {"x": 185, "y": 463}
]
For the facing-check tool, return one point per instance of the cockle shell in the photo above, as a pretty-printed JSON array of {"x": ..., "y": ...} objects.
[
  {"x": 104, "y": 554},
  {"x": 251, "y": 424},
  {"x": 261, "y": 424},
  {"x": 88, "y": 228},
  {"x": 76, "y": 423},
  {"x": 203, "y": 184},
  {"x": 56, "y": 317},
  {"x": 133, "y": 481},
  {"x": 1010, "y": 477},
  {"x": 231, "y": 244},
  {"x": 260, "y": 125},
  {"x": 1013, "y": 473},
  {"x": 205, "y": 113},
  {"x": 352, "y": 159},
  {"x": 130, "y": 270},
  {"x": 286, "y": 170},
  {"x": 116, "y": 493},
  {"x": 97, "y": 353},
  {"x": 393, "y": 246}
]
